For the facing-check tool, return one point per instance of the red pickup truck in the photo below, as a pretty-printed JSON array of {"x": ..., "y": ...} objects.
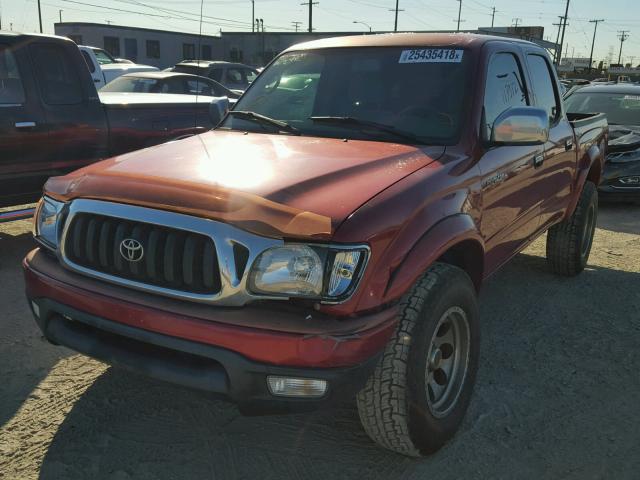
[
  {"x": 329, "y": 238},
  {"x": 52, "y": 120}
]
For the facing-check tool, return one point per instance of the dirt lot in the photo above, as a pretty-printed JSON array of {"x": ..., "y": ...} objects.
[{"x": 558, "y": 393}]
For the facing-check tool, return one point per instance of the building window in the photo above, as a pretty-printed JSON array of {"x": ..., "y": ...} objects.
[
  {"x": 206, "y": 52},
  {"x": 112, "y": 45},
  {"x": 188, "y": 51},
  {"x": 153, "y": 49},
  {"x": 75, "y": 38}
]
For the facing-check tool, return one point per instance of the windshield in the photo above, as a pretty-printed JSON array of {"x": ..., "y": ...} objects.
[
  {"x": 103, "y": 57},
  {"x": 128, "y": 84},
  {"x": 419, "y": 92},
  {"x": 620, "y": 108}
]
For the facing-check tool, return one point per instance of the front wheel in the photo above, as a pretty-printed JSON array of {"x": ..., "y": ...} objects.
[
  {"x": 416, "y": 398},
  {"x": 569, "y": 242}
]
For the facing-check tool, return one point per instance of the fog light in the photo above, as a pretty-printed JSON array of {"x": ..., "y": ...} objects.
[
  {"x": 36, "y": 309},
  {"x": 630, "y": 180},
  {"x": 296, "y": 387}
]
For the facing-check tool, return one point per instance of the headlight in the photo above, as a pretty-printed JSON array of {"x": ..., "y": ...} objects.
[
  {"x": 320, "y": 272},
  {"x": 47, "y": 221}
]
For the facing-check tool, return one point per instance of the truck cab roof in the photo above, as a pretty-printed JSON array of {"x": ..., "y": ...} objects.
[{"x": 459, "y": 40}]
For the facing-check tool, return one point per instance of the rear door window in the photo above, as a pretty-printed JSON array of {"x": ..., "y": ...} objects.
[
  {"x": 56, "y": 75},
  {"x": 542, "y": 83},
  {"x": 250, "y": 75},
  {"x": 505, "y": 89},
  {"x": 89, "y": 62},
  {"x": 216, "y": 74},
  {"x": 11, "y": 89},
  {"x": 235, "y": 76}
]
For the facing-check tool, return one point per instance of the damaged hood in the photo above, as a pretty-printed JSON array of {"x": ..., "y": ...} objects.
[
  {"x": 275, "y": 185},
  {"x": 624, "y": 138}
]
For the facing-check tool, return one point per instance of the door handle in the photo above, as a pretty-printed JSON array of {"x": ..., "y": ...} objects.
[
  {"x": 25, "y": 124},
  {"x": 538, "y": 160},
  {"x": 568, "y": 145},
  {"x": 96, "y": 80}
]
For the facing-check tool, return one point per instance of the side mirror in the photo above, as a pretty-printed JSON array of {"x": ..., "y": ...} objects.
[
  {"x": 218, "y": 108},
  {"x": 521, "y": 126}
]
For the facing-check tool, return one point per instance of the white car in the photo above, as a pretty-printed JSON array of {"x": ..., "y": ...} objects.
[{"x": 104, "y": 68}]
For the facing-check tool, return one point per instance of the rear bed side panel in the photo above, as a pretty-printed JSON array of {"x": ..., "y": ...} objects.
[{"x": 591, "y": 141}]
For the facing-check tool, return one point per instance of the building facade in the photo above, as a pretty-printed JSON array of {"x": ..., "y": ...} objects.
[{"x": 159, "y": 48}]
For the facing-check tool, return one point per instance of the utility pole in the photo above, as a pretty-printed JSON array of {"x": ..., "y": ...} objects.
[
  {"x": 40, "y": 16},
  {"x": 397, "y": 9},
  {"x": 516, "y": 21},
  {"x": 296, "y": 25},
  {"x": 559, "y": 25},
  {"x": 311, "y": 3},
  {"x": 593, "y": 42},
  {"x": 395, "y": 23},
  {"x": 60, "y": 13},
  {"x": 624, "y": 34},
  {"x": 459, "y": 14},
  {"x": 564, "y": 28},
  {"x": 493, "y": 16},
  {"x": 253, "y": 16}
]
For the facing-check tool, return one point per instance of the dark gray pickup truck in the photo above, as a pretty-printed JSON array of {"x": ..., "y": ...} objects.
[{"x": 53, "y": 121}]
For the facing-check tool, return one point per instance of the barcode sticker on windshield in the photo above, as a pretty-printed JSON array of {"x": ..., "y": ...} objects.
[{"x": 431, "y": 55}]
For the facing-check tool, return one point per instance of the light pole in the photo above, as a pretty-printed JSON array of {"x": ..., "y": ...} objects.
[{"x": 363, "y": 23}]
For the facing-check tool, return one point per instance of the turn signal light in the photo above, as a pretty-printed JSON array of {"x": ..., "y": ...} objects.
[{"x": 296, "y": 387}]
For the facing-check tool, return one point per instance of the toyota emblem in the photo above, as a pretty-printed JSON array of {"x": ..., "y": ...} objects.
[{"x": 131, "y": 250}]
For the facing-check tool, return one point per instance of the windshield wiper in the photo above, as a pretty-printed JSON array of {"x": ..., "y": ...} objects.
[
  {"x": 358, "y": 122},
  {"x": 263, "y": 119}
]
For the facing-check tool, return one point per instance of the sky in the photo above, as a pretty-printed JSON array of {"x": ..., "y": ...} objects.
[{"x": 339, "y": 15}]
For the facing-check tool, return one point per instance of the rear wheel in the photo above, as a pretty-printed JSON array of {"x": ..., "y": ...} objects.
[
  {"x": 417, "y": 396},
  {"x": 569, "y": 243}
]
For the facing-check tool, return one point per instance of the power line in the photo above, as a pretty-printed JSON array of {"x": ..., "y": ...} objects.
[{"x": 593, "y": 43}]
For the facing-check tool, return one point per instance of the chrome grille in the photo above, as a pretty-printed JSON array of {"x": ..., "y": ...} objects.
[
  {"x": 184, "y": 256},
  {"x": 170, "y": 258}
]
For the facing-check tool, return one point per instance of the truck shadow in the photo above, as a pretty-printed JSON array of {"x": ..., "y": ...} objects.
[
  {"x": 535, "y": 409},
  {"x": 25, "y": 360},
  {"x": 619, "y": 217}
]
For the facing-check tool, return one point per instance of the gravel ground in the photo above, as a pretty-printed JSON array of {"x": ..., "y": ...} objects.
[{"x": 558, "y": 392}]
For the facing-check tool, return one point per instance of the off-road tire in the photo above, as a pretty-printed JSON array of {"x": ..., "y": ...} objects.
[
  {"x": 569, "y": 242},
  {"x": 393, "y": 406}
]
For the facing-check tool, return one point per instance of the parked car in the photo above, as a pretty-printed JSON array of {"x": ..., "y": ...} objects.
[
  {"x": 234, "y": 76},
  {"x": 621, "y": 104},
  {"x": 169, "y": 82},
  {"x": 328, "y": 239},
  {"x": 104, "y": 68},
  {"x": 53, "y": 120}
]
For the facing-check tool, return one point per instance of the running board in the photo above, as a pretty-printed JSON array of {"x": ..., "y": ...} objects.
[{"x": 13, "y": 215}]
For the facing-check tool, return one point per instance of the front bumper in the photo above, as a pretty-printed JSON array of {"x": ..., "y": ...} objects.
[
  {"x": 230, "y": 360},
  {"x": 612, "y": 189}
]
